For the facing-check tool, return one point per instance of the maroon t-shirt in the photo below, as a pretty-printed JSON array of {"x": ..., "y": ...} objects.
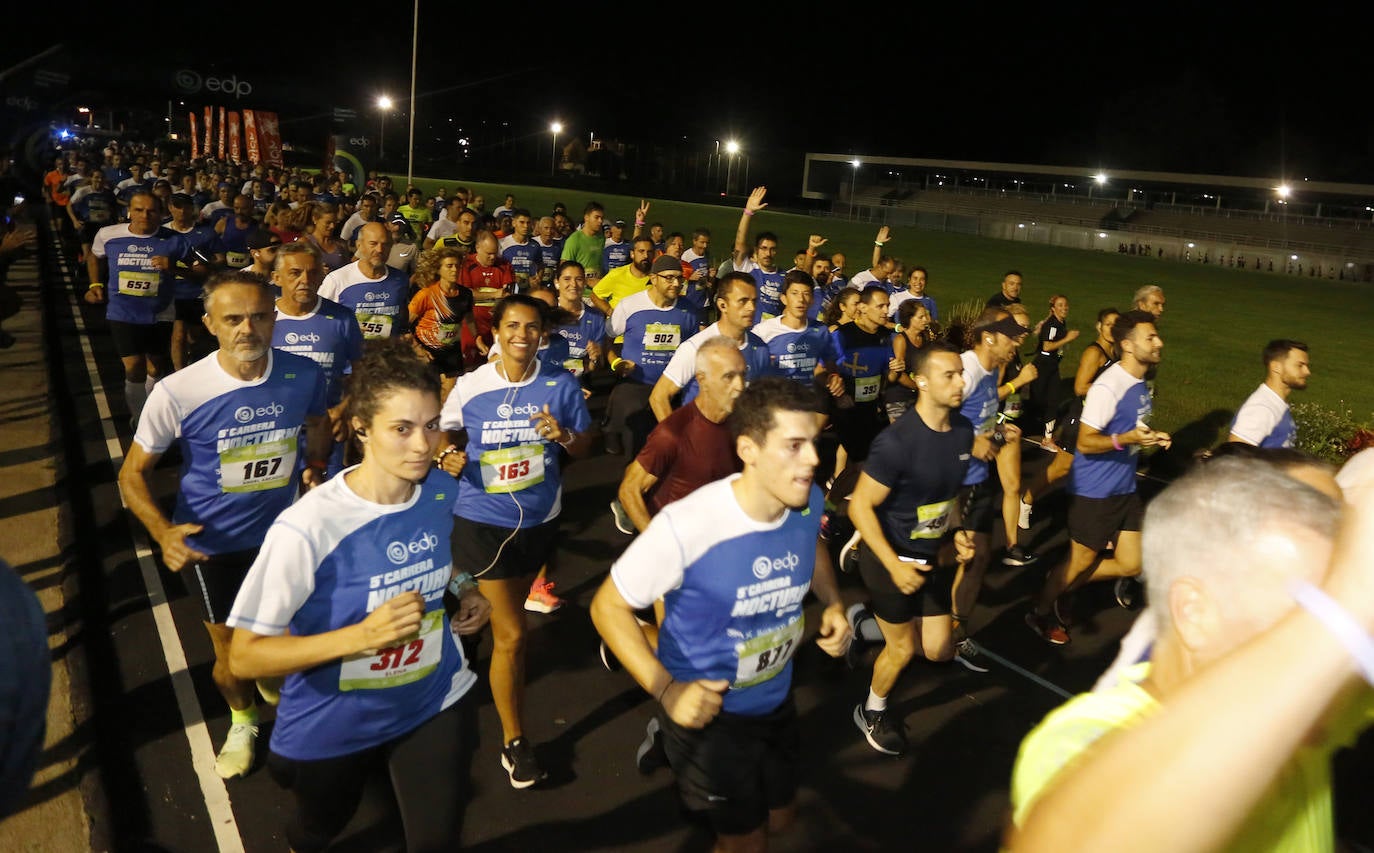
[{"x": 685, "y": 452}]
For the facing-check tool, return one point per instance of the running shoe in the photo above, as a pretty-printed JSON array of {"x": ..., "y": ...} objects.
[
  {"x": 518, "y": 759},
  {"x": 849, "y": 555},
  {"x": 1127, "y": 592},
  {"x": 1018, "y": 556},
  {"x": 965, "y": 653},
  {"x": 1023, "y": 520},
  {"x": 236, "y": 756},
  {"x": 541, "y": 598},
  {"x": 651, "y": 755},
  {"x": 878, "y": 732},
  {"x": 1048, "y": 628},
  {"x": 622, "y": 519},
  {"x": 608, "y": 658}
]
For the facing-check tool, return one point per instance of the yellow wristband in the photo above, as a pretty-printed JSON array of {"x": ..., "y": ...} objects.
[
  {"x": 1011, "y": 386},
  {"x": 615, "y": 362},
  {"x": 94, "y": 286}
]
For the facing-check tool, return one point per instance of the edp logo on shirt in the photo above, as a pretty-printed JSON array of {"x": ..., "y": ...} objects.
[
  {"x": 506, "y": 410},
  {"x": 398, "y": 552},
  {"x": 302, "y": 338},
  {"x": 244, "y": 414},
  {"x": 763, "y": 566}
]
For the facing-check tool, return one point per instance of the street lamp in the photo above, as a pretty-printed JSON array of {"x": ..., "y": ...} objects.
[
  {"x": 731, "y": 148},
  {"x": 555, "y": 128},
  {"x": 384, "y": 104},
  {"x": 853, "y": 182},
  {"x": 1099, "y": 180}
]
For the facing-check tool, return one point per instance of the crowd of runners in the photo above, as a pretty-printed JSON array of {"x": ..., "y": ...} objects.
[{"x": 373, "y": 394}]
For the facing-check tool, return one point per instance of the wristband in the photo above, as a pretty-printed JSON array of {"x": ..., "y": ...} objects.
[
  {"x": 748, "y": 212},
  {"x": 461, "y": 583},
  {"x": 1336, "y": 619},
  {"x": 439, "y": 460},
  {"x": 639, "y": 223},
  {"x": 615, "y": 362},
  {"x": 1115, "y": 443},
  {"x": 664, "y": 691},
  {"x": 1011, "y": 385},
  {"x": 95, "y": 285},
  {"x": 876, "y": 243},
  {"x": 572, "y": 436}
]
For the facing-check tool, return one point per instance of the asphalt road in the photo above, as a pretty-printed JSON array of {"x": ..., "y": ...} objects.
[{"x": 948, "y": 793}]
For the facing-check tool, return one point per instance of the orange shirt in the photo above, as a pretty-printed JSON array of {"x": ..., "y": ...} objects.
[{"x": 439, "y": 317}]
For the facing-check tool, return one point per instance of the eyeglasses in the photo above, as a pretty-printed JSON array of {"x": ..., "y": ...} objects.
[{"x": 671, "y": 279}]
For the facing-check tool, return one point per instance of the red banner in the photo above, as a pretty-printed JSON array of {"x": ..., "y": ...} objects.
[
  {"x": 328, "y": 164},
  {"x": 250, "y": 137},
  {"x": 209, "y": 132},
  {"x": 235, "y": 153},
  {"x": 195, "y": 137},
  {"x": 222, "y": 133},
  {"x": 269, "y": 138}
]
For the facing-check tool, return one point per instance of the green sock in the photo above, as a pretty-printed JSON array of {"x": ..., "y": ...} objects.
[{"x": 248, "y": 715}]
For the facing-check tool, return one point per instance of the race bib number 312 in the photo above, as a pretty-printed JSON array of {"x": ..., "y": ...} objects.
[{"x": 401, "y": 664}]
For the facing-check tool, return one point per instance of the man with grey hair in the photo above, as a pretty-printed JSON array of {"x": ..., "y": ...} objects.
[
  {"x": 1150, "y": 299},
  {"x": 239, "y": 414},
  {"x": 1228, "y": 550}
]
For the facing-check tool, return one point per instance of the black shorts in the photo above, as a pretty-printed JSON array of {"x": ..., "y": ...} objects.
[
  {"x": 978, "y": 506},
  {"x": 447, "y": 360},
  {"x": 890, "y": 604},
  {"x": 738, "y": 768},
  {"x": 191, "y": 311},
  {"x": 478, "y": 549},
  {"x": 216, "y": 581},
  {"x": 857, "y": 426},
  {"x": 1093, "y": 522},
  {"x": 132, "y": 339}
]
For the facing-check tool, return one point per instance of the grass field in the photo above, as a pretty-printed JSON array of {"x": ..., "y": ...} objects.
[{"x": 1215, "y": 325}]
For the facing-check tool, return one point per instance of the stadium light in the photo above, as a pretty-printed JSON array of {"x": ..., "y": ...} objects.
[
  {"x": 1283, "y": 190},
  {"x": 856, "y": 163},
  {"x": 1100, "y": 178},
  {"x": 555, "y": 128},
  {"x": 384, "y": 104},
  {"x": 731, "y": 147}
]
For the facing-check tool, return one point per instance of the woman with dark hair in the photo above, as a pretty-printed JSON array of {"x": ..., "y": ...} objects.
[
  {"x": 440, "y": 312},
  {"x": 515, "y": 416},
  {"x": 1054, "y": 334},
  {"x": 913, "y": 324},
  {"x": 842, "y": 309},
  {"x": 346, "y": 599},
  {"x": 319, "y": 230}
]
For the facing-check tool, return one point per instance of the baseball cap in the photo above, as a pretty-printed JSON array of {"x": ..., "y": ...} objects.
[
  {"x": 667, "y": 263},
  {"x": 619, "y": 222},
  {"x": 263, "y": 238}
]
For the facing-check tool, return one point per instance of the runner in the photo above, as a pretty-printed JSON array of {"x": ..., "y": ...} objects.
[
  {"x": 373, "y": 291},
  {"x": 913, "y": 333},
  {"x": 138, "y": 256},
  {"x": 442, "y": 316},
  {"x": 1104, "y": 506},
  {"x": 586, "y": 331},
  {"x": 514, "y": 417},
  {"x": 864, "y": 356},
  {"x": 522, "y": 252},
  {"x": 1265, "y": 420},
  {"x": 188, "y": 277},
  {"x": 903, "y": 509},
  {"x": 760, "y": 263},
  {"x": 346, "y": 599},
  {"x": 800, "y": 349},
  {"x": 652, "y": 323},
  {"x": 1053, "y": 335},
  {"x": 735, "y": 303},
  {"x": 732, "y": 562},
  {"x": 238, "y": 415}
]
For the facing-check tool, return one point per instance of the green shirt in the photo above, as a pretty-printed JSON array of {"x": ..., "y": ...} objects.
[{"x": 585, "y": 250}]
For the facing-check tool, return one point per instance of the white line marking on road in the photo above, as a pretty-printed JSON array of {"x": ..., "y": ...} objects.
[
  {"x": 212, "y": 787},
  {"x": 996, "y": 658}
]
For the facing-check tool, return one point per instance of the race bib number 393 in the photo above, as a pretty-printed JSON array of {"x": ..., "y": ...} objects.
[
  {"x": 765, "y": 655},
  {"x": 403, "y": 663}
]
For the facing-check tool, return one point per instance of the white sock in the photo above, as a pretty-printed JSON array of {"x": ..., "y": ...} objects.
[
  {"x": 875, "y": 702},
  {"x": 135, "y": 394}
]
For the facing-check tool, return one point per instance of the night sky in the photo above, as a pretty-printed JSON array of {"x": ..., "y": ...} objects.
[{"x": 1152, "y": 87}]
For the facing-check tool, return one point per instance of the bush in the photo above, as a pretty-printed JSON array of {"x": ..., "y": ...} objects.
[{"x": 1333, "y": 435}]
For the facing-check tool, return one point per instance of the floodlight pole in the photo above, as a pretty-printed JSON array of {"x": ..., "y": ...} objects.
[{"x": 414, "y": 51}]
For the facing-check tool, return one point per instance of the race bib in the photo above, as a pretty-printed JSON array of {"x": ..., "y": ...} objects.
[
  {"x": 764, "y": 656},
  {"x": 237, "y": 259},
  {"x": 138, "y": 283},
  {"x": 662, "y": 337},
  {"x": 397, "y": 665},
  {"x": 932, "y": 520},
  {"x": 257, "y": 467},
  {"x": 866, "y": 388},
  {"x": 573, "y": 366},
  {"x": 375, "y": 326},
  {"x": 445, "y": 333},
  {"x": 512, "y": 469}
]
